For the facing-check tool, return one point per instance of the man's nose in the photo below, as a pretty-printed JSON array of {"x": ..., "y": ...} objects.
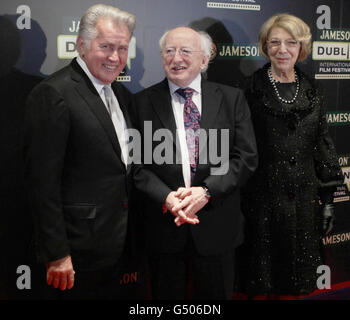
[
  {"x": 177, "y": 56},
  {"x": 114, "y": 56}
]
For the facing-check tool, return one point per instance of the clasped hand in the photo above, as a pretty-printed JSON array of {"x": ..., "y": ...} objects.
[{"x": 185, "y": 203}]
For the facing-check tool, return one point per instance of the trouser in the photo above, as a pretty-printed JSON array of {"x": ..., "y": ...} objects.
[{"x": 187, "y": 274}]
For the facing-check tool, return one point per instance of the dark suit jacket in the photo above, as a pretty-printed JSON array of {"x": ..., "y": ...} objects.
[
  {"x": 79, "y": 187},
  {"x": 220, "y": 227}
]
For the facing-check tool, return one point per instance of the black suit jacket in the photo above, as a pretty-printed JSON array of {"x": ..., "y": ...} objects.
[
  {"x": 79, "y": 188},
  {"x": 220, "y": 227}
]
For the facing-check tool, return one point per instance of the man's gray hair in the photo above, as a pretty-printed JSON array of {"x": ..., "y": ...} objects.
[
  {"x": 205, "y": 39},
  {"x": 87, "y": 28}
]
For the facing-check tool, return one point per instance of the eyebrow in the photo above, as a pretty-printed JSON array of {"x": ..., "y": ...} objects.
[{"x": 275, "y": 38}]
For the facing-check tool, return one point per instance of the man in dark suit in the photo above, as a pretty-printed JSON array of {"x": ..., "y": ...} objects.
[
  {"x": 78, "y": 178},
  {"x": 192, "y": 203}
]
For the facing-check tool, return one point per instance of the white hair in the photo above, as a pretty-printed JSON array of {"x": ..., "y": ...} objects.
[{"x": 87, "y": 28}]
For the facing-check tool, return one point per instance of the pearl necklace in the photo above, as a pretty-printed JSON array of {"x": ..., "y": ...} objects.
[{"x": 273, "y": 82}]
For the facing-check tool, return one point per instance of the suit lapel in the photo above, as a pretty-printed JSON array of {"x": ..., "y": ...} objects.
[
  {"x": 89, "y": 94},
  {"x": 211, "y": 102},
  {"x": 161, "y": 99}
]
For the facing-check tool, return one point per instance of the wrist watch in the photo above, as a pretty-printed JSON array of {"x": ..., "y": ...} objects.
[{"x": 207, "y": 193}]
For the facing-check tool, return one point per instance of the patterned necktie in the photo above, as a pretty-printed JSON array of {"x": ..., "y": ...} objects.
[
  {"x": 192, "y": 126},
  {"x": 118, "y": 122}
]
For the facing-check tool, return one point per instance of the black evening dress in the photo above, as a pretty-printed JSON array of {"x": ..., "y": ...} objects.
[{"x": 298, "y": 168}]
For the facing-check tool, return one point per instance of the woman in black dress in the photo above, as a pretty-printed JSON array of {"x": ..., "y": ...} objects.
[{"x": 288, "y": 202}]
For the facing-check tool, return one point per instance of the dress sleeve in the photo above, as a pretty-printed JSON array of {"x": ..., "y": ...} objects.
[{"x": 326, "y": 160}]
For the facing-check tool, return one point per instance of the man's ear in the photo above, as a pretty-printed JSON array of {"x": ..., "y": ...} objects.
[
  {"x": 205, "y": 62},
  {"x": 81, "y": 46}
]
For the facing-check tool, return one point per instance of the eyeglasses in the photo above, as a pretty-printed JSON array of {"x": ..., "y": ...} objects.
[
  {"x": 184, "y": 52},
  {"x": 290, "y": 43}
]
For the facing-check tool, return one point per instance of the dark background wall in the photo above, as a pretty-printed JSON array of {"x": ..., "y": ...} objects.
[{"x": 37, "y": 38}]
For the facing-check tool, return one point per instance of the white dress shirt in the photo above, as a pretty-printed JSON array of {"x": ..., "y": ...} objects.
[
  {"x": 117, "y": 117},
  {"x": 178, "y": 104}
]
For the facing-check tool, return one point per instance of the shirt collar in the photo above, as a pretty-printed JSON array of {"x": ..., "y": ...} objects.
[
  {"x": 195, "y": 85},
  {"x": 97, "y": 83}
]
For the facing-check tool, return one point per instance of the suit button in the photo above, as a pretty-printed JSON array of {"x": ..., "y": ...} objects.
[
  {"x": 292, "y": 160},
  {"x": 291, "y": 195}
]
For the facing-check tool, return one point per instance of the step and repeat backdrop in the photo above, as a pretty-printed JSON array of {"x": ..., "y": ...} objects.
[{"x": 37, "y": 37}]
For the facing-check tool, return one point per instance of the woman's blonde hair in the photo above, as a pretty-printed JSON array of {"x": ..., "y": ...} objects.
[{"x": 299, "y": 30}]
